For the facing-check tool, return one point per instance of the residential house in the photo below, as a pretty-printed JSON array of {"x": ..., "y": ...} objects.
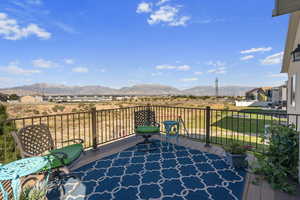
[
  {"x": 260, "y": 94},
  {"x": 279, "y": 95},
  {"x": 31, "y": 99},
  {"x": 291, "y": 57}
]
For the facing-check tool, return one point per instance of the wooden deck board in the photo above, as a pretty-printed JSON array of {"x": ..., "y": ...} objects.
[
  {"x": 267, "y": 192},
  {"x": 252, "y": 191}
]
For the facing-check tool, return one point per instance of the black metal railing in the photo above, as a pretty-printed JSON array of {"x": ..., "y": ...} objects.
[{"x": 212, "y": 126}]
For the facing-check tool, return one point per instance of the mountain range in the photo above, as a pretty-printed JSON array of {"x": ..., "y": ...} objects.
[{"x": 144, "y": 89}]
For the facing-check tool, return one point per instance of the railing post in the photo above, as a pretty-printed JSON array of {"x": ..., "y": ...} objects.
[
  {"x": 207, "y": 135},
  {"x": 94, "y": 128}
]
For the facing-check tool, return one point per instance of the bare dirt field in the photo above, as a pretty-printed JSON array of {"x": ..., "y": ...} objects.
[{"x": 18, "y": 110}]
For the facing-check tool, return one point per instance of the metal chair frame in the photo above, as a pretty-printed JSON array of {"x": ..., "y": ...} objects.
[{"x": 36, "y": 140}]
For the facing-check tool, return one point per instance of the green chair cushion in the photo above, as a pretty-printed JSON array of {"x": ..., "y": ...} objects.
[
  {"x": 147, "y": 129},
  {"x": 72, "y": 151}
]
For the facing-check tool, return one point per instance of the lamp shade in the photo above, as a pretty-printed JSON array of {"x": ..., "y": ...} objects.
[{"x": 296, "y": 54}]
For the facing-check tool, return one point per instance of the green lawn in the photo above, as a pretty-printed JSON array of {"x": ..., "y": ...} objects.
[
  {"x": 222, "y": 140},
  {"x": 229, "y": 126}
]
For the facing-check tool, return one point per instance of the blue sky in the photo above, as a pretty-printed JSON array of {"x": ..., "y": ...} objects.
[{"x": 121, "y": 43}]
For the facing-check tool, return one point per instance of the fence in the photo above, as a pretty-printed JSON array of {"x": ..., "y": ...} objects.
[{"x": 204, "y": 124}]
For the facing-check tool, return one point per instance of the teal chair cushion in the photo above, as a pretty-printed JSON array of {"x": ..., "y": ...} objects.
[
  {"x": 147, "y": 129},
  {"x": 72, "y": 151}
]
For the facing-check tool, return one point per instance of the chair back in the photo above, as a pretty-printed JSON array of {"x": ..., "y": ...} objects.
[
  {"x": 144, "y": 118},
  {"x": 34, "y": 140}
]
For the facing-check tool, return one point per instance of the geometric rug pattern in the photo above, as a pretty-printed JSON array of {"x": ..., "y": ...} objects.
[{"x": 169, "y": 172}]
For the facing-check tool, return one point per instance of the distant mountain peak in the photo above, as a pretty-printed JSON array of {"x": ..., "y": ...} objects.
[{"x": 140, "y": 89}]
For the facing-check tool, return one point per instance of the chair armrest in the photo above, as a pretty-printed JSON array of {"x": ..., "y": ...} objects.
[
  {"x": 156, "y": 124},
  {"x": 76, "y": 140},
  {"x": 26, "y": 154},
  {"x": 60, "y": 156}
]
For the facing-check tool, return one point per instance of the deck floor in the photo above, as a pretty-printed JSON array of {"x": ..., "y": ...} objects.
[{"x": 258, "y": 191}]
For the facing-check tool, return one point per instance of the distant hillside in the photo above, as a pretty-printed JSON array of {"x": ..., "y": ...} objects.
[
  {"x": 49, "y": 89},
  {"x": 145, "y": 89},
  {"x": 223, "y": 91},
  {"x": 149, "y": 89}
]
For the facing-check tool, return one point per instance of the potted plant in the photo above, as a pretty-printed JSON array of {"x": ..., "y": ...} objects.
[
  {"x": 236, "y": 154},
  {"x": 36, "y": 192}
]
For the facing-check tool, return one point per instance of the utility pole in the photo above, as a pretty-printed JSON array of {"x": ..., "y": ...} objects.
[{"x": 217, "y": 87}]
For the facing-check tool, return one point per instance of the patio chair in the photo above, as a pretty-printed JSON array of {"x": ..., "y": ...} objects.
[
  {"x": 171, "y": 131},
  {"x": 36, "y": 140},
  {"x": 146, "y": 125}
]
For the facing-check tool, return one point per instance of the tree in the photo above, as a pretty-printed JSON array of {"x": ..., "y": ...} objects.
[
  {"x": 3, "y": 97},
  {"x": 14, "y": 97},
  {"x": 7, "y": 145}
]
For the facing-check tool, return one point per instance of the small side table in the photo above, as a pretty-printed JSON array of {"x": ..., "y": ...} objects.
[
  {"x": 15, "y": 170},
  {"x": 171, "y": 130}
]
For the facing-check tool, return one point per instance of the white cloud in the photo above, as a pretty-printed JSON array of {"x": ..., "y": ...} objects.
[
  {"x": 221, "y": 70},
  {"x": 69, "y": 61},
  {"x": 179, "y": 68},
  {"x": 13, "y": 68},
  {"x": 80, "y": 69},
  {"x": 216, "y": 63},
  {"x": 169, "y": 15},
  {"x": 181, "y": 21},
  {"x": 164, "y": 14},
  {"x": 41, "y": 63},
  {"x": 278, "y": 75},
  {"x": 255, "y": 50},
  {"x": 11, "y": 30},
  {"x": 247, "y": 57},
  {"x": 273, "y": 59},
  {"x": 160, "y": 2},
  {"x": 198, "y": 73},
  {"x": 184, "y": 68},
  {"x": 189, "y": 79},
  {"x": 35, "y": 2},
  {"x": 144, "y": 7},
  {"x": 159, "y": 67}
]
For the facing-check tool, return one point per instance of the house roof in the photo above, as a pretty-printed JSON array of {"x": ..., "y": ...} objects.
[
  {"x": 290, "y": 40},
  {"x": 285, "y": 6},
  {"x": 253, "y": 90},
  {"x": 264, "y": 89}
]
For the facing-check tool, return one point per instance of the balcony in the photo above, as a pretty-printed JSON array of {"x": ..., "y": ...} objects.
[{"x": 114, "y": 167}]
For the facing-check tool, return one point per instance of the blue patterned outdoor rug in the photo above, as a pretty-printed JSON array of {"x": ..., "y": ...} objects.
[{"x": 173, "y": 173}]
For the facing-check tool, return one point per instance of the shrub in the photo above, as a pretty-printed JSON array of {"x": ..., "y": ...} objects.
[
  {"x": 57, "y": 108},
  {"x": 236, "y": 148},
  {"x": 279, "y": 165},
  {"x": 36, "y": 112},
  {"x": 14, "y": 97},
  {"x": 74, "y": 110}
]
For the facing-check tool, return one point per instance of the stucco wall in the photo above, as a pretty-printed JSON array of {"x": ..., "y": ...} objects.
[
  {"x": 294, "y": 69},
  {"x": 31, "y": 99}
]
